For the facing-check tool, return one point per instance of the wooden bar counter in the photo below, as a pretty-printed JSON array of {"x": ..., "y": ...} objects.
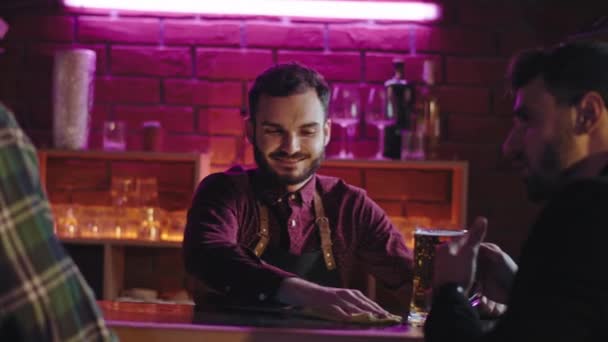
[{"x": 173, "y": 322}]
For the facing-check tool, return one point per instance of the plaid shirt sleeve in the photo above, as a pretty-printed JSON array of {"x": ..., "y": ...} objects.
[{"x": 43, "y": 296}]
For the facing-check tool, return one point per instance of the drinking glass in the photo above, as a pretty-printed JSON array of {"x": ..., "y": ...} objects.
[
  {"x": 425, "y": 241},
  {"x": 67, "y": 221},
  {"x": 87, "y": 218},
  {"x": 147, "y": 191},
  {"x": 114, "y": 136},
  {"x": 379, "y": 115},
  {"x": 122, "y": 192},
  {"x": 412, "y": 145},
  {"x": 345, "y": 110}
]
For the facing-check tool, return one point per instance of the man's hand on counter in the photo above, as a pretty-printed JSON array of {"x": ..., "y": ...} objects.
[{"x": 327, "y": 301}]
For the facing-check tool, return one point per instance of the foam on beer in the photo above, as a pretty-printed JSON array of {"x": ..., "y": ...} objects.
[{"x": 439, "y": 232}]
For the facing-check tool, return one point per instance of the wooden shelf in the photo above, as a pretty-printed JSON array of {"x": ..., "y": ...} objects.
[
  {"x": 433, "y": 189},
  {"x": 88, "y": 174},
  {"x": 200, "y": 162},
  {"x": 121, "y": 242},
  {"x": 122, "y": 262}
]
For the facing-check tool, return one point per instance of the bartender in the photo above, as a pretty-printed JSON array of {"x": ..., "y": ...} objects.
[{"x": 281, "y": 232}]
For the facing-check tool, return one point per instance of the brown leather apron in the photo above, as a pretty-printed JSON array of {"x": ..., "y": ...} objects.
[{"x": 317, "y": 266}]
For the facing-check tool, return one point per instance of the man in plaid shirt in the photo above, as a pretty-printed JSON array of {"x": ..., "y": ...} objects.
[{"x": 43, "y": 296}]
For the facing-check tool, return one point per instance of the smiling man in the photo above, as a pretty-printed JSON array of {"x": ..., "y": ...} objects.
[{"x": 281, "y": 232}]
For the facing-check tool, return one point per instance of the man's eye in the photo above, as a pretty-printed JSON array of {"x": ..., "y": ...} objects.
[
  {"x": 309, "y": 132},
  {"x": 273, "y": 131}
]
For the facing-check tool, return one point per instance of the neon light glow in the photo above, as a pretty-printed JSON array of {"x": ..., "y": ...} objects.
[{"x": 371, "y": 10}]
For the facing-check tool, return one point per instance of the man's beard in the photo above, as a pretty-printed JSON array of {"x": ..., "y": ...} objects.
[
  {"x": 265, "y": 167},
  {"x": 542, "y": 184}
]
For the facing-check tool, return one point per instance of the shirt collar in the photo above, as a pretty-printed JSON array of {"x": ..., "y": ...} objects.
[{"x": 271, "y": 192}]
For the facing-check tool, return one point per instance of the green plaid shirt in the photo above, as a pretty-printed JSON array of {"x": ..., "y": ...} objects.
[{"x": 43, "y": 295}]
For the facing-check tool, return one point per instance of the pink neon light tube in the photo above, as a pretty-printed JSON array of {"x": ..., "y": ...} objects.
[{"x": 372, "y": 10}]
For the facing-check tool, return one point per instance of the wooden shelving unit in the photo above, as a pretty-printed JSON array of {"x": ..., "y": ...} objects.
[
  {"x": 88, "y": 173},
  {"x": 433, "y": 189},
  {"x": 114, "y": 251},
  {"x": 122, "y": 262}
]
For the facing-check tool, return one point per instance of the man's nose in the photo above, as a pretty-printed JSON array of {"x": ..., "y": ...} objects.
[{"x": 290, "y": 143}]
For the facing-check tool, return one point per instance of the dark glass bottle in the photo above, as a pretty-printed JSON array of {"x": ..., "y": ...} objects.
[{"x": 400, "y": 101}]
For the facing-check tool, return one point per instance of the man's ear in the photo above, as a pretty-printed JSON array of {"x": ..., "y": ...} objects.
[
  {"x": 588, "y": 112},
  {"x": 250, "y": 130},
  {"x": 327, "y": 132}
]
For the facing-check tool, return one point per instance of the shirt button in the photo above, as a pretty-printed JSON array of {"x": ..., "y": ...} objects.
[
  {"x": 262, "y": 297},
  {"x": 292, "y": 223},
  {"x": 279, "y": 200},
  {"x": 292, "y": 197}
]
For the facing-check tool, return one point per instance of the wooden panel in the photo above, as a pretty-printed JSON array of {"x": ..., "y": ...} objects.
[
  {"x": 409, "y": 185},
  {"x": 87, "y": 182},
  {"x": 81, "y": 196},
  {"x": 440, "y": 213},
  {"x": 158, "y": 268},
  {"x": 392, "y": 208},
  {"x": 175, "y": 175},
  {"x": 76, "y": 174},
  {"x": 352, "y": 176},
  {"x": 89, "y": 259},
  {"x": 113, "y": 271},
  {"x": 175, "y": 179}
]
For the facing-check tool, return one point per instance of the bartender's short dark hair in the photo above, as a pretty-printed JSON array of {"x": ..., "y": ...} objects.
[
  {"x": 285, "y": 80},
  {"x": 569, "y": 70}
]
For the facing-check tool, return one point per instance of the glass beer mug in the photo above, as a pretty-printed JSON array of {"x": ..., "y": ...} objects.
[{"x": 425, "y": 241}]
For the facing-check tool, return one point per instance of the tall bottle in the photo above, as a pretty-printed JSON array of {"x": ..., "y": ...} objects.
[
  {"x": 427, "y": 108},
  {"x": 400, "y": 97}
]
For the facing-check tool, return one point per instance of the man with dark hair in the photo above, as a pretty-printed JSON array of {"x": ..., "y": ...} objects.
[
  {"x": 281, "y": 232},
  {"x": 559, "y": 139}
]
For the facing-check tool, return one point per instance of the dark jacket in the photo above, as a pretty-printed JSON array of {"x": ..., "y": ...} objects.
[{"x": 560, "y": 292}]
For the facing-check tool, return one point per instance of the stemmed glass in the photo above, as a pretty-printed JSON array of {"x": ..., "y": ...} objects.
[
  {"x": 345, "y": 110},
  {"x": 379, "y": 115}
]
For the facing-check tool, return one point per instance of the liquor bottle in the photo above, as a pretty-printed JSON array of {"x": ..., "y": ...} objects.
[
  {"x": 400, "y": 101},
  {"x": 427, "y": 108}
]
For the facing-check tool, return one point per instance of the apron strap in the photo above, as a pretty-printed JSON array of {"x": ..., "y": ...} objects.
[
  {"x": 323, "y": 223},
  {"x": 263, "y": 233}
]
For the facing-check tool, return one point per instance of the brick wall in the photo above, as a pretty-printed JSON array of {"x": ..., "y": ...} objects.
[{"x": 190, "y": 72}]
